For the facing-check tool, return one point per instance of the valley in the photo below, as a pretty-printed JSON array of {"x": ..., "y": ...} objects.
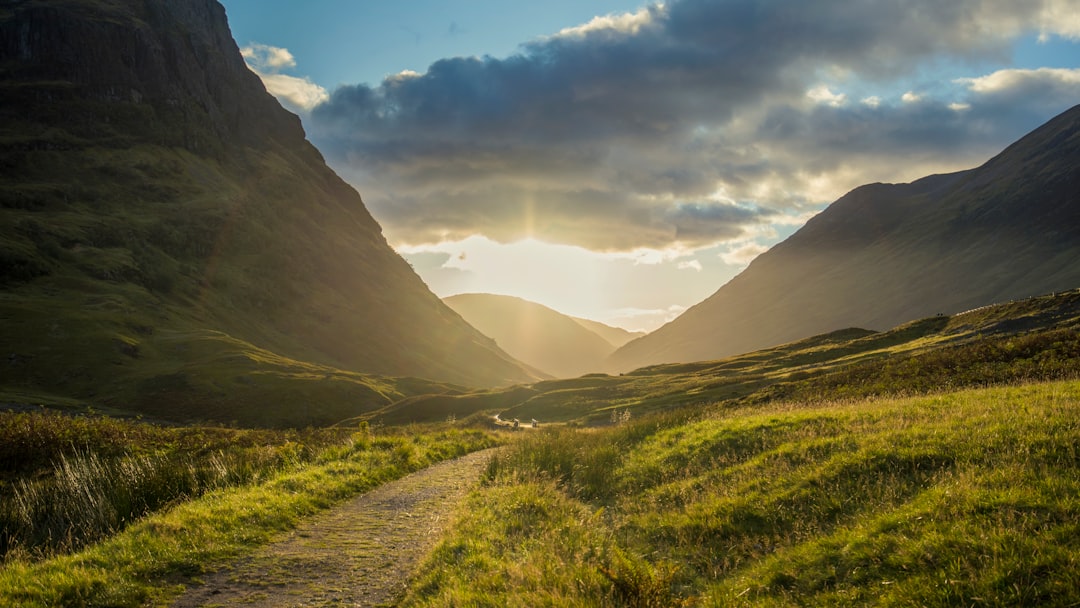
[{"x": 220, "y": 384}]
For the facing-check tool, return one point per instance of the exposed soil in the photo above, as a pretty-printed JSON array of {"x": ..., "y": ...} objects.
[{"x": 360, "y": 553}]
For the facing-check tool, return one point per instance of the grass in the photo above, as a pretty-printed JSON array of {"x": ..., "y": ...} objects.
[
  {"x": 201, "y": 497},
  {"x": 964, "y": 498},
  {"x": 70, "y": 480},
  {"x": 1036, "y": 339}
]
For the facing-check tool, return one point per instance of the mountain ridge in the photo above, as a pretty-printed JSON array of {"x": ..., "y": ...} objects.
[
  {"x": 886, "y": 253},
  {"x": 548, "y": 340}
]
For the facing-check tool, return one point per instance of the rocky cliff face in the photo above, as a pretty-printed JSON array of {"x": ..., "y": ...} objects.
[
  {"x": 164, "y": 220},
  {"x": 177, "y": 58},
  {"x": 888, "y": 253}
]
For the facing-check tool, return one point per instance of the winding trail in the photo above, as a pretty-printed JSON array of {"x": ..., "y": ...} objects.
[{"x": 360, "y": 553}]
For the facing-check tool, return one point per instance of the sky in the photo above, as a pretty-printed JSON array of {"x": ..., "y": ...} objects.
[{"x": 620, "y": 161}]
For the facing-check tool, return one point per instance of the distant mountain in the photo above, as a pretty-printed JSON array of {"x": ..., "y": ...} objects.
[
  {"x": 171, "y": 243},
  {"x": 888, "y": 253},
  {"x": 548, "y": 340},
  {"x": 616, "y": 336},
  {"x": 1030, "y": 340}
]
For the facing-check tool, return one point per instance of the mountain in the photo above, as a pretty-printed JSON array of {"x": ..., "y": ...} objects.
[
  {"x": 616, "y": 336},
  {"x": 888, "y": 253},
  {"x": 172, "y": 244},
  {"x": 1031, "y": 340},
  {"x": 548, "y": 340}
]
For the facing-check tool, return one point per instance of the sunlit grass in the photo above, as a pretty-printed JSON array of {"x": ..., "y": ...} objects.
[
  {"x": 962, "y": 498},
  {"x": 147, "y": 560}
]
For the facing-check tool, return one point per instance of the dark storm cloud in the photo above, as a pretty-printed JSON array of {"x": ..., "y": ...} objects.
[{"x": 643, "y": 130}]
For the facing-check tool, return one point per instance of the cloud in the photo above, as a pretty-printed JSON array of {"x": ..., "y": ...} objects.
[
  {"x": 643, "y": 319},
  {"x": 743, "y": 254},
  {"x": 264, "y": 57},
  {"x": 681, "y": 125},
  {"x": 1060, "y": 84},
  {"x": 297, "y": 93},
  {"x": 822, "y": 94},
  {"x": 626, "y": 23},
  {"x": 1060, "y": 18}
]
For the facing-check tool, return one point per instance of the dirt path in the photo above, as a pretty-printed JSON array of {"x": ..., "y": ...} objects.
[{"x": 360, "y": 553}]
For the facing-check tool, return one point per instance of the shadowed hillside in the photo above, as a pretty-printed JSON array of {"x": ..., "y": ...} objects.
[
  {"x": 889, "y": 253},
  {"x": 171, "y": 242}
]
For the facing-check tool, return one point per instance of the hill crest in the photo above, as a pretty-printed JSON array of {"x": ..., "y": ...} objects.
[{"x": 542, "y": 337}]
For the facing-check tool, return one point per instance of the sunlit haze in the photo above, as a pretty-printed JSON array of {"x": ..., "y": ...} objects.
[{"x": 620, "y": 161}]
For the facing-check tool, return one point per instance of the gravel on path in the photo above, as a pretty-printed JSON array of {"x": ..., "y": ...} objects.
[{"x": 360, "y": 553}]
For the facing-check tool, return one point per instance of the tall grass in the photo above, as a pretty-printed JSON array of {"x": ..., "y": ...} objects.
[
  {"x": 70, "y": 481},
  {"x": 965, "y": 498},
  {"x": 89, "y": 496},
  {"x": 146, "y": 562}
]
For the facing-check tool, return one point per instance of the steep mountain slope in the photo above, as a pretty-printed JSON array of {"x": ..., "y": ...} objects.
[
  {"x": 171, "y": 240},
  {"x": 886, "y": 253},
  {"x": 535, "y": 334}
]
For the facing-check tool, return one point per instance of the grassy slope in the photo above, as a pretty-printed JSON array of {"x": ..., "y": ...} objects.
[
  {"x": 138, "y": 228},
  {"x": 264, "y": 482},
  {"x": 121, "y": 298},
  {"x": 849, "y": 469},
  {"x": 965, "y": 498},
  {"x": 1036, "y": 338}
]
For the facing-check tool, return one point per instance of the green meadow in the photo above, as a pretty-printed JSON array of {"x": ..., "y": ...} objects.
[
  {"x": 965, "y": 498},
  {"x": 936, "y": 464}
]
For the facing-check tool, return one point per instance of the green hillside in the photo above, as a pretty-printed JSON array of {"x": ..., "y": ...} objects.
[
  {"x": 171, "y": 244},
  {"x": 966, "y": 498},
  {"x": 1031, "y": 339}
]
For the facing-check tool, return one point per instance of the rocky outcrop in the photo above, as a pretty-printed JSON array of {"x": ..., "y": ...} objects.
[{"x": 176, "y": 57}]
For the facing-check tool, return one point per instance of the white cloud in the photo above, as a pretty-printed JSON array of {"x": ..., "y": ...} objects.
[
  {"x": 743, "y": 255},
  {"x": 873, "y": 101},
  {"x": 643, "y": 319},
  {"x": 691, "y": 265},
  {"x": 265, "y": 57},
  {"x": 1013, "y": 79},
  {"x": 910, "y": 97},
  {"x": 1060, "y": 17},
  {"x": 295, "y": 92},
  {"x": 625, "y": 23},
  {"x": 957, "y": 106},
  {"x": 822, "y": 94}
]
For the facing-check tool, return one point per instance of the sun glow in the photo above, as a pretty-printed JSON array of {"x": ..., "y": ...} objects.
[{"x": 572, "y": 280}]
